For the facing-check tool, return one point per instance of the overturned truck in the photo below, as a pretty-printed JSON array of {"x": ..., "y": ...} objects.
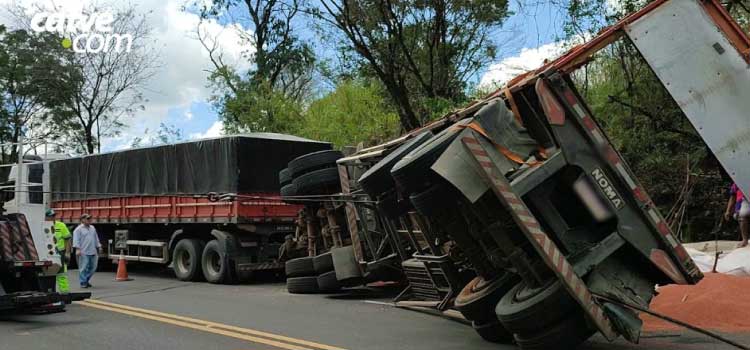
[{"x": 525, "y": 188}]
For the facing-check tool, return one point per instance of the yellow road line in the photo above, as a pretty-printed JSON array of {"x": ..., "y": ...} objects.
[{"x": 276, "y": 340}]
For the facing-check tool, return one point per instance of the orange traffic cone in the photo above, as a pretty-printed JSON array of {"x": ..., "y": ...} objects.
[{"x": 122, "y": 270}]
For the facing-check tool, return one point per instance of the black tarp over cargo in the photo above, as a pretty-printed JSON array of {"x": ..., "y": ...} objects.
[{"x": 233, "y": 164}]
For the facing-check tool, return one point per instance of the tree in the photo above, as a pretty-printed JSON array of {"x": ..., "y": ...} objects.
[
  {"x": 166, "y": 134},
  {"x": 111, "y": 84},
  {"x": 260, "y": 108},
  {"x": 33, "y": 73},
  {"x": 355, "y": 112},
  {"x": 283, "y": 64},
  {"x": 740, "y": 11},
  {"x": 423, "y": 52}
]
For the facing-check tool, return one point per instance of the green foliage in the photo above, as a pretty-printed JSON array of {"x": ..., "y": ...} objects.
[
  {"x": 267, "y": 97},
  {"x": 281, "y": 59},
  {"x": 355, "y": 112},
  {"x": 422, "y": 52},
  {"x": 166, "y": 134},
  {"x": 740, "y": 11},
  {"x": 34, "y": 77},
  {"x": 260, "y": 109}
]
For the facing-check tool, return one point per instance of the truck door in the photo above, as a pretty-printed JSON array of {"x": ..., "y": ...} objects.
[{"x": 701, "y": 57}]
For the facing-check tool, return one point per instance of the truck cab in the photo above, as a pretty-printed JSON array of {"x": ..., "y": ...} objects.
[
  {"x": 26, "y": 191},
  {"x": 28, "y": 258}
]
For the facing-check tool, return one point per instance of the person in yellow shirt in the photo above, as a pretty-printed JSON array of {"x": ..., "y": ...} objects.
[{"x": 63, "y": 240}]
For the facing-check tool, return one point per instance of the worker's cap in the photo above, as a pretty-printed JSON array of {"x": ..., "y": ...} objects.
[
  {"x": 49, "y": 212},
  {"x": 86, "y": 216}
]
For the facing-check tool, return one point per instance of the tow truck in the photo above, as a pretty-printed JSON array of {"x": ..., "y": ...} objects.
[{"x": 28, "y": 258}]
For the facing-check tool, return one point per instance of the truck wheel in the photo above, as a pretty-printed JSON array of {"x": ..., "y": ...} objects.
[
  {"x": 523, "y": 309},
  {"x": 285, "y": 177},
  {"x": 187, "y": 259},
  {"x": 302, "y": 285},
  {"x": 313, "y": 161},
  {"x": 565, "y": 335},
  {"x": 327, "y": 282},
  {"x": 288, "y": 191},
  {"x": 493, "y": 332},
  {"x": 300, "y": 267},
  {"x": 321, "y": 181},
  {"x": 323, "y": 263},
  {"x": 478, "y": 298},
  {"x": 377, "y": 179},
  {"x": 214, "y": 265}
]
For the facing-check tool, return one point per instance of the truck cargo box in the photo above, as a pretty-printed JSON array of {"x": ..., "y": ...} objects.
[
  {"x": 233, "y": 164},
  {"x": 168, "y": 184}
]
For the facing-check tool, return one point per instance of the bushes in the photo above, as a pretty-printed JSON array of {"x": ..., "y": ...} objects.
[{"x": 355, "y": 112}]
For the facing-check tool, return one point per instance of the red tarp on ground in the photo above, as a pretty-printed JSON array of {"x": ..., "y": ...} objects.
[{"x": 719, "y": 302}]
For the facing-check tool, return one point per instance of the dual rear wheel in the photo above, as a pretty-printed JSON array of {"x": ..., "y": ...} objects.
[
  {"x": 506, "y": 309},
  {"x": 195, "y": 260}
]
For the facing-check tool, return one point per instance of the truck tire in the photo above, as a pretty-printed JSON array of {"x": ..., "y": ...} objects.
[
  {"x": 523, "y": 310},
  {"x": 302, "y": 285},
  {"x": 285, "y": 177},
  {"x": 323, "y": 263},
  {"x": 300, "y": 267},
  {"x": 477, "y": 299},
  {"x": 313, "y": 161},
  {"x": 327, "y": 282},
  {"x": 412, "y": 173},
  {"x": 321, "y": 181},
  {"x": 565, "y": 335},
  {"x": 288, "y": 191},
  {"x": 214, "y": 264},
  {"x": 187, "y": 259},
  {"x": 493, "y": 332},
  {"x": 377, "y": 179}
]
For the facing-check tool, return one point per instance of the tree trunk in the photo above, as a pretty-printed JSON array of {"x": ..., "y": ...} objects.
[
  {"x": 89, "y": 137},
  {"x": 400, "y": 96},
  {"x": 406, "y": 114}
]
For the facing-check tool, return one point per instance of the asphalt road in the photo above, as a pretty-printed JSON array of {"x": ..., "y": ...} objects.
[{"x": 155, "y": 311}]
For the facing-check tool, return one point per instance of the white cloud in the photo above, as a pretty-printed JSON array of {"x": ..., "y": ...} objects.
[
  {"x": 182, "y": 79},
  {"x": 528, "y": 59},
  {"x": 214, "y": 131}
]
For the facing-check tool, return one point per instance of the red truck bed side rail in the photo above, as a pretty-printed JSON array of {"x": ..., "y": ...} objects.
[{"x": 262, "y": 207}]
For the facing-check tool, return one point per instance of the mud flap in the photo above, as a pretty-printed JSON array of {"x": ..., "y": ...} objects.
[
  {"x": 624, "y": 321},
  {"x": 345, "y": 264},
  {"x": 230, "y": 246}
]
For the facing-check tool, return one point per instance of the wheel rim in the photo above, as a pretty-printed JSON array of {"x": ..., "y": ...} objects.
[
  {"x": 183, "y": 261},
  {"x": 525, "y": 293},
  {"x": 480, "y": 285},
  {"x": 214, "y": 262}
]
